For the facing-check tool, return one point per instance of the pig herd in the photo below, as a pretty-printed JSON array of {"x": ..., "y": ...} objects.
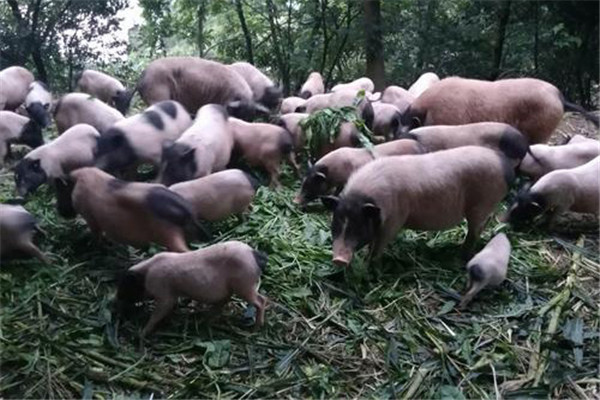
[{"x": 448, "y": 150}]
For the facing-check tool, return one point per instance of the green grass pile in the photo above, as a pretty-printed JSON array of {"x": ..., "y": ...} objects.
[{"x": 390, "y": 330}]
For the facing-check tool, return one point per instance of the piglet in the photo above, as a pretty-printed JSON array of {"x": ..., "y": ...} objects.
[
  {"x": 17, "y": 228},
  {"x": 487, "y": 268},
  {"x": 210, "y": 275}
]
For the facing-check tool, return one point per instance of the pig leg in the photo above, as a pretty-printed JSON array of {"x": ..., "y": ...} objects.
[
  {"x": 291, "y": 158},
  {"x": 29, "y": 248},
  {"x": 163, "y": 308},
  {"x": 475, "y": 288},
  {"x": 273, "y": 171},
  {"x": 176, "y": 242},
  {"x": 475, "y": 223},
  {"x": 257, "y": 300},
  {"x": 387, "y": 233}
]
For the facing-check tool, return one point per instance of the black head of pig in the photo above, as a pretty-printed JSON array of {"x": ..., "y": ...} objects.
[
  {"x": 31, "y": 134},
  {"x": 247, "y": 110},
  {"x": 29, "y": 175},
  {"x": 409, "y": 120},
  {"x": 39, "y": 113},
  {"x": 121, "y": 100},
  {"x": 114, "y": 152},
  {"x": 313, "y": 185},
  {"x": 526, "y": 208},
  {"x": 356, "y": 222},
  {"x": 271, "y": 97},
  {"x": 178, "y": 163}
]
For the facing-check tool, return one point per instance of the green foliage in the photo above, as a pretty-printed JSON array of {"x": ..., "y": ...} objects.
[{"x": 322, "y": 127}]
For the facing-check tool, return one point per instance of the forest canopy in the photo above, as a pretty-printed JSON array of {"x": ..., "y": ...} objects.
[{"x": 391, "y": 41}]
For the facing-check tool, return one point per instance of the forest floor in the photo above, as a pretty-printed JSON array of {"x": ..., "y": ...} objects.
[{"x": 388, "y": 331}]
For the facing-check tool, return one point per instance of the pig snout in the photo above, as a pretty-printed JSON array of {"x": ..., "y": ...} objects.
[
  {"x": 342, "y": 254},
  {"x": 299, "y": 199}
]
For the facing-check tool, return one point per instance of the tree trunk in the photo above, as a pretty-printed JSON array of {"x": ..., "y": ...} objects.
[
  {"x": 342, "y": 46},
  {"x": 275, "y": 39},
  {"x": 536, "y": 37},
  {"x": 200, "y": 15},
  {"x": 247, "y": 37},
  {"x": 427, "y": 20},
  {"x": 38, "y": 61},
  {"x": 374, "y": 43},
  {"x": 504, "y": 15},
  {"x": 313, "y": 35},
  {"x": 325, "y": 37}
]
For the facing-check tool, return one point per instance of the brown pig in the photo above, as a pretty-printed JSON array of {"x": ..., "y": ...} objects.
[
  {"x": 209, "y": 275},
  {"x": 131, "y": 212},
  {"x": 432, "y": 192}
]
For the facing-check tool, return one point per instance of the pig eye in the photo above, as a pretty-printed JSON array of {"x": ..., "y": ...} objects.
[{"x": 46, "y": 106}]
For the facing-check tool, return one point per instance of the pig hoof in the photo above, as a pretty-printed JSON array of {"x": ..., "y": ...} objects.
[{"x": 249, "y": 317}]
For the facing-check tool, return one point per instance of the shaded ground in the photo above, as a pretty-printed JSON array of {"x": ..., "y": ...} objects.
[{"x": 388, "y": 331}]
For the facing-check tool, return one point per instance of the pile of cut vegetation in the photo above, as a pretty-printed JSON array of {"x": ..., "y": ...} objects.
[{"x": 387, "y": 330}]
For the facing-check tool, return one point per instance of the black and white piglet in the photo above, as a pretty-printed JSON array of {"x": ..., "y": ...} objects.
[
  {"x": 139, "y": 139},
  {"x": 487, "y": 268},
  {"x": 17, "y": 129},
  {"x": 17, "y": 227}
]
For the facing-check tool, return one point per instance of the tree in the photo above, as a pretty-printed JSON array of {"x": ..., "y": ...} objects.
[
  {"x": 374, "y": 43},
  {"x": 247, "y": 38},
  {"x": 41, "y": 31},
  {"x": 503, "y": 16}
]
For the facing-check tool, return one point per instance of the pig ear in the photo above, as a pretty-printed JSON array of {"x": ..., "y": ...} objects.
[
  {"x": 536, "y": 205},
  {"x": 320, "y": 176},
  {"x": 330, "y": 202},
  {"x": 167, "y": 144},
  {"x": 371, "y": 210},
  {"x": 188, "y": 154},
  {"x": 416, "y": 122}
]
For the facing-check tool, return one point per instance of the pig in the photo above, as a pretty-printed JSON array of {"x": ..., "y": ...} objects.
[
  {"x": 432, "y": 191},
  {"x": 549, "y": 158},
  {"x": 204, "y": 148},
  {"x": 38, "y": 102},
  {"x": 347, "y": 136},
  {"x": 194, "y": 82},
  {"x": 14, "y": 86},
  {"x": 104, "y": 87},
  {"x": 332, "y": 171},
  {"x": 385, "y": 119},
  {"x": 139, "y": 139},
  {"x": 133, "y": 213},
  {"x": 55, "y": 160},
  {"x": 494, "y": 135},
  {"x": 219, "y": 195},
  {"x": 17, "y": 227},
  {"x": 575, "y": 139},
  {"x": 359, "y": 84},
  {"x": 341, "y": 98},
  {"x": 487, "y": 268},
  {"x": 210, "y": 275},
  {"x": 81, "y": 108},
  {"x": 397, "y": 96},
  {"x": 15, "y": 128},
  {"x": 264, "y": 90},
  {"x": 424, "y": 82},
  {"x": 291, "y": 123},
  {"x": 313, "y": 85},
  {"x": 532, "y": 106},
  {"x": 576, "y": 189},
  {"x": 263, "y": 145},
  {"x": 289, "y": 104}
]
